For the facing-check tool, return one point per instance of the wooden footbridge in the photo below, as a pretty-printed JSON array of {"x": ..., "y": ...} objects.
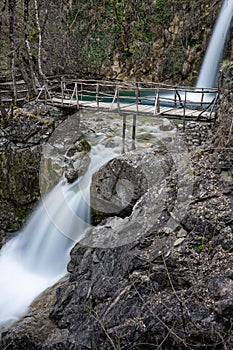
[
  {"x": 135, "y": 98},
  {"x": 7, "y": 90},
  {"x": 158, "y": 100}
]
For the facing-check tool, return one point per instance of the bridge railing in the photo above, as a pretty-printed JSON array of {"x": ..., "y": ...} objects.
[
  {"x": 122, "y": 96},
  {"x": 7, "y": 91}
]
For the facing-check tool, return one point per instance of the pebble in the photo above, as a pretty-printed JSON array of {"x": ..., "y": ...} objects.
[
  {"x": 182, "y": 233},
  {"x": 195, "y": 133},
  {"x": 179, "y": 241}
]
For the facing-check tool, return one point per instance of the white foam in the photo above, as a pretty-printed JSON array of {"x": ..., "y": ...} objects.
[{"x": 37, "y": 257}]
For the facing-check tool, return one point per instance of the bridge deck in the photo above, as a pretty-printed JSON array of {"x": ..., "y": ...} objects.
[
  {"x": 139, "y": 109},
  {"x": 158, "y": 100}
]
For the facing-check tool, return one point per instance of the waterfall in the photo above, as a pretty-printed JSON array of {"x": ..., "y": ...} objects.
[
  {"x": 37, "y": 257},
  {"x": 210, "y": 66}
]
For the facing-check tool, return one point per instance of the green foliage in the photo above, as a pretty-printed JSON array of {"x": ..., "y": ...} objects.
[
  {"x": 202, "y": 244},
  {"x": 163, "y": 13},
  {"x": 84, "y": 146},
  {"x": 226, "y": 62},
  {"x": 190, "y": 171},
  {"x": 34, "y": 35},
  {"x": 89, "y": 37},
  {"x": 108, "y": 27}
]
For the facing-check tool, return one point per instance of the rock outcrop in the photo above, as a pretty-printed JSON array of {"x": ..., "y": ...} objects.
[
  {"x": 117, "y": 186},
  {"x": 78, "y": 160},
  {"x": 21, "y": 138},
  {"x": 19, "y": 184},
  {"x": 153, "y": 279}
]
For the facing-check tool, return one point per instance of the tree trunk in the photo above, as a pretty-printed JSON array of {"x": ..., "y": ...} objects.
[
  {"x": 39, "y": 41},
  {"x": 2, "y": 11},
  {"x": 28, "y": 47},
  {"x": 3, "y": 110},
  {"x": 11, "y": 11}
]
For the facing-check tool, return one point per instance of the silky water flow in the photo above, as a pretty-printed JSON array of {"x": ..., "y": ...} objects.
[
  {"x": 210, "y": 66},
  {"x": 38, "y": 256}
]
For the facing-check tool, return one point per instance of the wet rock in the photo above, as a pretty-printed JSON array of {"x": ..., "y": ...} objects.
[
  {"x": 78, "y": 160},
  {"x": 118, "y": 185},
  {"x": 221, "y": 287},
  {"x": 225, "y": 309},
  {"x": 167, "y": 125},
  {"x": 19, "y": 174},
  {"x": 37, "y": 313},
  {"x": 77, "y": 167},
  {"x": 128, "y": 293},
  {"x": 179, "y": 241},
  {"x": 19, "y": 185}
]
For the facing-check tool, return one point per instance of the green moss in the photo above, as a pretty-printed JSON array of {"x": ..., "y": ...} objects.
[
  {"x": 226, "y": 62},
  {"x": 199, "y": 156},
  {"x": 34, "y": 35},
  {"x": 190, "y": 171},
  {"x": 163, "y": 14},
  {"x": 203, "y": 244},
  {"x": 145, "y": 137},
  {"x": 84, "y": 146}
]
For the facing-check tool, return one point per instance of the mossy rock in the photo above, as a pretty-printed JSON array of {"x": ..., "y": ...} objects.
[{"x": 83, "y": 146}]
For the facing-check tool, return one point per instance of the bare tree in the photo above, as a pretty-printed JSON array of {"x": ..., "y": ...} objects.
[
  {"x": 28, "y": 46},
  {"x": 11, "y": 11},
  {"x": 39, "y": 40},
  {"x": 2, "y": 11}
]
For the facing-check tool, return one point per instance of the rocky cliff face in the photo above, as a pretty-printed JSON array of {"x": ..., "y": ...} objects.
[
  {"x": 21, "y": 138},
  {"x": 117, "y": 186},
  {"x": 179, "y": 37},
  {"x": 19, "y": 169},
  {"x": 170, "y": 285},
  {"x": 153, "y": 40}
]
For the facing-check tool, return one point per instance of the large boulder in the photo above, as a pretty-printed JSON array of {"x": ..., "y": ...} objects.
[
  {"x": 21, "y": 135},
  {"x": 19, "y": 169},
  {"x": 19, "y": 185},
  {"x": 165, "y": 286},
  {"x": 169, "y": 288},
  {"x": 117, "y": 186},
  {"x": 78, "y": 160}
]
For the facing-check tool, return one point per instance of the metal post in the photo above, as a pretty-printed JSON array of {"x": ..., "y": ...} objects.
[
  {"x": 97, "y": 95},
  {"x": 202, "y": 96},
  {"x": 134, "y": 131},
  {"x": 118, "y": 101},
  {"x": 62, "y": 92},
  {"x": 157, "y": 106},
  {"x": 123, "y": 132},
  {"x": 137, "y": 97},
  {"x": 185, "y": 97},
  {"x": 124, "y": 126},
  {"x": 158, "y": 103},
  {"x": 76, "y": 94},
  {"x": 45, "y": 94},
  {"x": 175, "y": 101},
  {"x": 81, "y": 91}
]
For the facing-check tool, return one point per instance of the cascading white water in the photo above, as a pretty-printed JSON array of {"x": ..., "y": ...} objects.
[
  {"x": 37, "y": 257},
  {"x": 210, "y": 66}
]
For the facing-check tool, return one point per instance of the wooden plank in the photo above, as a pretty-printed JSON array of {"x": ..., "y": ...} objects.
[
  {"x": 11, "y": 99},
  {"x": 10, "y": 83},
  {"x": 138, "y": 108}
]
